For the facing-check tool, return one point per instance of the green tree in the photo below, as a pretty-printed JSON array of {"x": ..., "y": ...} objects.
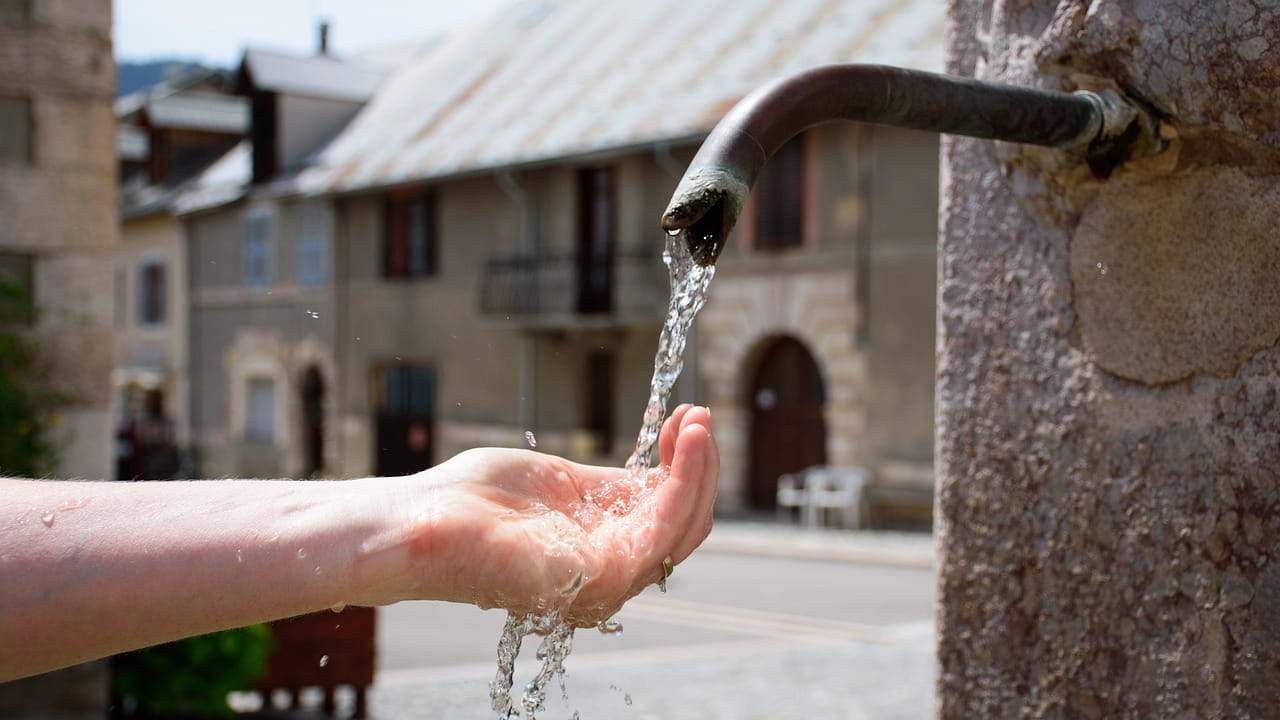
[{"x": 25, "y": 412}]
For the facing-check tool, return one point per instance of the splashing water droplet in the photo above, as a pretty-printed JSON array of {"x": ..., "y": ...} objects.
[
  {"x": 313, "y": 314},
  {"x": 324, "y": 660},
  {"x": 529, "y": 438},
  {"x": 338, "y": 607},
  {"x": 317, "y": 569},
  {"x": 239, "y": 556},
  {"x": 47, "y": 519},
  {"x": 302, "y": 552},
  {"x": 610, "y": 627}
]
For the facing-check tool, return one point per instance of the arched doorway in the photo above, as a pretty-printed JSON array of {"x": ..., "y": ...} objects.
[
  {"x": 312, "y": 422},
  {"x": 788, "y": 433}
]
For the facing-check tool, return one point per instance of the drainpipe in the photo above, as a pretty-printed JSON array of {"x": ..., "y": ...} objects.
[
  {"x": 527, "y": 251},
  {"x": 1102, "y": 125}
]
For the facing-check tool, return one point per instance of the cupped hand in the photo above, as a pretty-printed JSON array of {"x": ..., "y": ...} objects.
[{"x": 532, "y": 532}]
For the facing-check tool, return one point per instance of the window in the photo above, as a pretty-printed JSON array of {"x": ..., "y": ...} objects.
[
  {"x": 17, "y": 288},
  {"x": 257, "y": 249},
  {"x": 779, "y": 197},
  {"x": 121, "y": 296},
  {"x": 408, "y": 390},
  {"x": 599, "y": 405},
  {"x": 260, "y": 420},
  {"x": 596, "y": 218},
  {"x": 409, "y": 237},
  {"x": 16, "y": 129},
  {"x": 312, "y": 250},
  {"x": 151, "y": 293}
]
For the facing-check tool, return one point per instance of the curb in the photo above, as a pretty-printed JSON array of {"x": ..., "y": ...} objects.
[{"x": 833, "y": 549}]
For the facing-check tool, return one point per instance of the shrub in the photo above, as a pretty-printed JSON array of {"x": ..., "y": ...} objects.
[{"x": 192, "y": 677}]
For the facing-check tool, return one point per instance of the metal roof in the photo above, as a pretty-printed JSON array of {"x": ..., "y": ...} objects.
[
  {"x": 313, "y": 75},
  {"x": 549, "y": 79},
  {"x": 193, "y": 110}
]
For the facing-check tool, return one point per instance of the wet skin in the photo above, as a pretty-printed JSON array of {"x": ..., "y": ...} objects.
[{"x": 88, "y": 569}]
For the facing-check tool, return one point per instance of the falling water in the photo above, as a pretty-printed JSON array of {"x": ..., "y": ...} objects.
[{"x": 689, "y": 284}]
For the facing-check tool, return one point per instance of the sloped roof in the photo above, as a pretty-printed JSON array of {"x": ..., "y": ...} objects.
[
  {"x": 313, "y": 75},
  {"x": 547, "y": 79},
  {"x": 194, "y": 110},
  {"x": 222, "y": 182}
]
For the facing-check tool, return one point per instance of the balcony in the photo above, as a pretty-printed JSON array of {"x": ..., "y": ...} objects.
[{"x": 573, "y": 292}]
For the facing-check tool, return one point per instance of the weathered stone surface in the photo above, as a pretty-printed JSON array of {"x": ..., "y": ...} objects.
[
  {"x": 1177, "y": 275},
  {"x": 1107, "y": 545}
]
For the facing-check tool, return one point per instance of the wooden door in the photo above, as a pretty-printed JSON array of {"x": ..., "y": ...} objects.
[
  {"x": 788, "y": 433},
  {"x": 406, "y": 428}
]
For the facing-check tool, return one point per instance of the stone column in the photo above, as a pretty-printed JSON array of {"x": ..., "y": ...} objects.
[{"x": 1108, "y": 427}]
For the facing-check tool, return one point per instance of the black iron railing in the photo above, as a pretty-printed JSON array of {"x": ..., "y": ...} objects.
[{"x": 632, "y": 286}]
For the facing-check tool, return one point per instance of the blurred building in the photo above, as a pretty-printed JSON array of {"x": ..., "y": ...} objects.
[
  {"x": 487, "y": 224},
  {"x": 58, "y": 200},
  {"x": 166, "y": 135},
  {"x": 263, "y": 335},
  {"x": 57, "y": 235}
]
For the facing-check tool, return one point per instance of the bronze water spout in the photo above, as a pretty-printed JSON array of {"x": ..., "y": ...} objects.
[{"x": 710, "y": 196}]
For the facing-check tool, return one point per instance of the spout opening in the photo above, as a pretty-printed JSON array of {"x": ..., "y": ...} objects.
[
  {"x": 704, "y": 209},
  {"x": 707, "y": 235}
]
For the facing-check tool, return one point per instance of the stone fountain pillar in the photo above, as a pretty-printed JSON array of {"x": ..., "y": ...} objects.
[{"x": 1108, "y": 397}]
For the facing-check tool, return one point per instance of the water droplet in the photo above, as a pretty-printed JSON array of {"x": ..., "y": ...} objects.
[
  {"x": 239, "y": 556},
  {"x": 338, "y": 607},
  {"x": 313, "y": 314},
  {"x": 302, "y": 552},
  {"x": 324, "y": 660},
  {"x": 627, "y": 699},
  {"x": 529, "y": 438},
  {"x": 610, "y": 627},
  {"x": 1102, "y": 268},
  {"x": 317, "y": 569},
  {"x": 47, "y": 519}
]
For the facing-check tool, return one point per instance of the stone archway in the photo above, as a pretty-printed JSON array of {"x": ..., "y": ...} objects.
[
  {"x": 746, "y": 314},
  {"x": 788, "y": 431}
]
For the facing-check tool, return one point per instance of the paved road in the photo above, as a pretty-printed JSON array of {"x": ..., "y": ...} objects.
[{"x": 737, "y": 636}]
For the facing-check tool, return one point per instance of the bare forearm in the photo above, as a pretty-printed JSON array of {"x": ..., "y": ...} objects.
[{"x": 91, "y": 569}]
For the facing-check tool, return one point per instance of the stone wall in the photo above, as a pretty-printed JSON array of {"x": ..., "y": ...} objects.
[
  {"x": 58, "y": 206},
  {"x": 1108, "y": 435}
]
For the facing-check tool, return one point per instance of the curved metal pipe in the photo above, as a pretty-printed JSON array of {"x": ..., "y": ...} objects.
[{"x": 710, "y": 196}]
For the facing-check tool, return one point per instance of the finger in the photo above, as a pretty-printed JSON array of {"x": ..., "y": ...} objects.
[
  {"x": 700, "y": 525},
  {"x": 674, "y": 501},
  {"x": 667, "y": 437}
]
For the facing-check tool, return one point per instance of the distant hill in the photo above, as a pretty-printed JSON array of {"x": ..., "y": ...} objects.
[{"x": 134, "y": 76}]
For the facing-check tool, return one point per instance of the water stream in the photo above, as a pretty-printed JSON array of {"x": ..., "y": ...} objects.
[{"x": 689, "y": 285}]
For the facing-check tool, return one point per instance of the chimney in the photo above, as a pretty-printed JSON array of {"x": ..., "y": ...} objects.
[{"x": 324, "y": 37}]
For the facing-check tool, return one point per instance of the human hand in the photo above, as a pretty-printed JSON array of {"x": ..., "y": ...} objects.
[{"x": 531, "y": 532}]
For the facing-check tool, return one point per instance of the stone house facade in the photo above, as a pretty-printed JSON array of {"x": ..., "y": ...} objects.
[
  {"x": 468, "y": 306},
  {"x": 58, "y": 201},
  {"x": 166, "y": 135}
]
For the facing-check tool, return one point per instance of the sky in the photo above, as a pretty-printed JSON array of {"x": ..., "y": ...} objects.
[{"x": 216, "y": 31}]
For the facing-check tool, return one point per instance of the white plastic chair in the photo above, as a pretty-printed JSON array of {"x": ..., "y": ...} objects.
[
  {"x": 792, "y": 494},
  {"x": 838, "y": 489}
]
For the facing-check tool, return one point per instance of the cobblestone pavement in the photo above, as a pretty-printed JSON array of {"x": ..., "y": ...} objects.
[{"x": 743, "y": 680}]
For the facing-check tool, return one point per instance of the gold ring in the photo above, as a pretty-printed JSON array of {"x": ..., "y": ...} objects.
[{"x": 668, "y": 567}]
